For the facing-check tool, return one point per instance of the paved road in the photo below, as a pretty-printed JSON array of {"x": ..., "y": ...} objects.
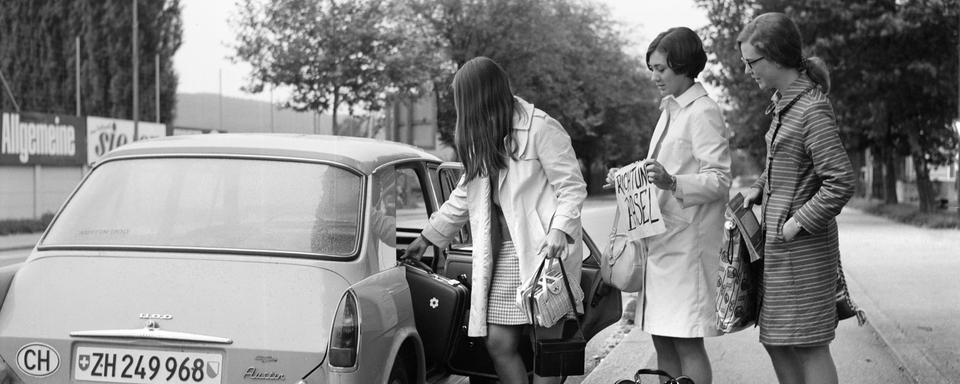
[
  {"x": 908, "y": 280},
  {"x": 14, "y": 256}
]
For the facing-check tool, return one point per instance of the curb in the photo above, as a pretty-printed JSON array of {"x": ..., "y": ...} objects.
[
  {"x": 15, "y": 247},
  {"x": 624, "y": 360},
  {"x": 908, "y": 354}
]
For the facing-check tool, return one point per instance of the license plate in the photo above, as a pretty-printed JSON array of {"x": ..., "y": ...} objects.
[{"x": 124, "y": 365}]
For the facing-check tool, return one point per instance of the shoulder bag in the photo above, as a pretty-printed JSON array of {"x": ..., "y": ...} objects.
[{"x": 623, "y": 262}]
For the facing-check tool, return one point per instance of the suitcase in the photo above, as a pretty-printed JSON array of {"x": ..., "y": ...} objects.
[{"x": 440, "y": 307}]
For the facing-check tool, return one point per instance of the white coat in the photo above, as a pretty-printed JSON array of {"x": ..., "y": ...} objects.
[
  {"x": 542, "y": 189},
  {"x": 680, "y": 287}
]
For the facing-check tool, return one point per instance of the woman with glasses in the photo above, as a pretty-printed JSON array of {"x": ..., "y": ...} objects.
[
  {"x": 807, "y": 180},
  {"x": 689, "y": 163}
]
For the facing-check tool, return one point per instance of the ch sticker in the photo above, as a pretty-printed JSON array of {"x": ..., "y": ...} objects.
[{"x": 38, "y": 359}]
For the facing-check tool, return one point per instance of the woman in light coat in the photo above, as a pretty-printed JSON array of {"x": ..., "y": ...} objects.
[
  {"x": 689, "y": 162},
  {"x": 522, "y": 192}
]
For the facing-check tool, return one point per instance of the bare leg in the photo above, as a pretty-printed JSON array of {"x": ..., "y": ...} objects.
[
  {"x": 817, "y": 364},
  {"x": 502, "y": 343},
  {"x": 668, "y": 359},
  {"x": 786, "y": 364},
  {"x": 694, "y": 360}
]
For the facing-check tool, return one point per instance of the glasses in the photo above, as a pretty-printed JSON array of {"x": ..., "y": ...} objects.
[{"x": 750, "y": 62}]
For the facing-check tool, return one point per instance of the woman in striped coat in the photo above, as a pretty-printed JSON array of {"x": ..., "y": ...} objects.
[{"x": 807, "y": 180}]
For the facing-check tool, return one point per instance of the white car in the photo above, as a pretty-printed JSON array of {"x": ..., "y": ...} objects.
[{"x": 250, "y": 258}]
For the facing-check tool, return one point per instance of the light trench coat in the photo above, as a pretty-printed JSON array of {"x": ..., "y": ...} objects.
[
  {"x": 542, "y": 189},
  {"x": 679, "y": 296}
]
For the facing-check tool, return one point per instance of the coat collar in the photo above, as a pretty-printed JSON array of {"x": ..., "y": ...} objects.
[
  {"x": 523, "y": 115},
  {"x": 781, "y": 99},
  {"x": 686, "y": 98}
]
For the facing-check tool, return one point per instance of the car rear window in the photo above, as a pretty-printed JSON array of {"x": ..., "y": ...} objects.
[{"x": 224, "y": 203}]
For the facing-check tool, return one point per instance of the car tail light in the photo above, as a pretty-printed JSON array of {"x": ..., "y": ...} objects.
[
  {"x": 345, "y": 337},
  {"x": 7, "y": 376}
]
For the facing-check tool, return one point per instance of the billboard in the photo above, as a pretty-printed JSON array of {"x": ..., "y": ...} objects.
[
  {"x": 104, "y": 134},
  {"x": 29, "y": 138}
]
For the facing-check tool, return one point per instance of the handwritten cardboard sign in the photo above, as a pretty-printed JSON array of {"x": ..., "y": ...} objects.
[{"x": 638, "y": 203}]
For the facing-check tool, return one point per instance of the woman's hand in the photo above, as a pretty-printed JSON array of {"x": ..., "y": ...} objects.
[
  {"x": 659, "y": 176},
  {"x": 751, "y": 197},
  {"x": 611, "y": 178},
  {"x": 791, "y": 229},
  {"x": 554, "y": 245},
  {"x": 416, "y": 249}
]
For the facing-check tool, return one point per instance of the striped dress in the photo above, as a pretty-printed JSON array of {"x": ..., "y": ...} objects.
[{"x": 808, "y": 177}]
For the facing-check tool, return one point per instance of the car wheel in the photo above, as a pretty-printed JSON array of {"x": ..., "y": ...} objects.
[{"x": 399, "y": 373}]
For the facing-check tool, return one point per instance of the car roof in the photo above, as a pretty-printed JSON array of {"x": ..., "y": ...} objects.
[{"x": 361, "y": 154}]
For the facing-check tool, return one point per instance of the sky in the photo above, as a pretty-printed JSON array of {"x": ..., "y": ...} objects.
[{"x": 204, "y": 66}]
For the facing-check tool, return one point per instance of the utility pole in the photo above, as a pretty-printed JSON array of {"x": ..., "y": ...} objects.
[
  {"x": 156, "y": 98},
  {"x": 78, "y": 75},
  {"x": 136, "y": 78},
  {"x": 220, "y": 99},
  {"x": 9, "y": 92}
]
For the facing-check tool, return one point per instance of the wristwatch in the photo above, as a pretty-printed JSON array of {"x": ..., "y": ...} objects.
[{"x": 673, "y": 183}]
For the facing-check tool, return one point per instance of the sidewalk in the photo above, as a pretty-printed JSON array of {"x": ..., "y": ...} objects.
[
  {"x": 18, "y": 241},
  {"x": 903, "y": 277}
]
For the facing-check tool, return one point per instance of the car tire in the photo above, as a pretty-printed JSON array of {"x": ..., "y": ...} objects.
[{"x": 399, "y": 374}]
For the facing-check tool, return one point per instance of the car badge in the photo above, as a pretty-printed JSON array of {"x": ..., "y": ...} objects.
[
  {"x": 434, "y": 303},
  {"x": 155, "y": 316},
  {"x": 266, "y": 359},
  {"x": 253, "y": 374}
]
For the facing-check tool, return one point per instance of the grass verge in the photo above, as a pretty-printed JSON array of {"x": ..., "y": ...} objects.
[
  {"x": 11, "y": 226},
  {"x": 908, "y": 214}
]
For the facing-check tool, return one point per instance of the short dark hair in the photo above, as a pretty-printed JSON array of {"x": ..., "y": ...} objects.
[{"x": 684, "y": 51}]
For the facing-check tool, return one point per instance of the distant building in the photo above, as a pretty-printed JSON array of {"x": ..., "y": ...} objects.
[{"x": 208, "y": 111}]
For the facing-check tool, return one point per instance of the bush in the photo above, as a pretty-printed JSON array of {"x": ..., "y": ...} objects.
[
  {"x": 909, "y": 214},
  {"x": 12, "y": 226}
]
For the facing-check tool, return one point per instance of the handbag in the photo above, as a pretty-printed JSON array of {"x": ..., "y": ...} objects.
[
  {"x": 623, "y": 262},
  {"x": 846, "y": 308},
  {"x": 738, "y": 281},
  {"x": 559, "y": 350},
  {"x": 543, "y": 297},
  {"x": 656, "y": 372}
]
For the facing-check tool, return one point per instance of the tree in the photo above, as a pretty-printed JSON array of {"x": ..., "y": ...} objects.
[
  {"x": 37, "y": 55},
  {"x": 893, "y": 66},
  {"x": 331, "y": 53},
  {"x": 567, "y": 57}
]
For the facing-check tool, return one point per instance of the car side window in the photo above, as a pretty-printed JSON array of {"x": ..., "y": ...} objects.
[
  {"x": 449, "y": 176},
  {"x": 412, "y": 209}
]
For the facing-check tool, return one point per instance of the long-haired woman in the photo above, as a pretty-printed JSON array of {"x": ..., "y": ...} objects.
[{"x": 521, "y": 192}]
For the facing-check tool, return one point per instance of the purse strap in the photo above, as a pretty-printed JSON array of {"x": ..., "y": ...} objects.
[
  {"x": 670, "y": 379},
  {"x": 616, "y": 220},
  {"x": 566, "y": 282}
]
